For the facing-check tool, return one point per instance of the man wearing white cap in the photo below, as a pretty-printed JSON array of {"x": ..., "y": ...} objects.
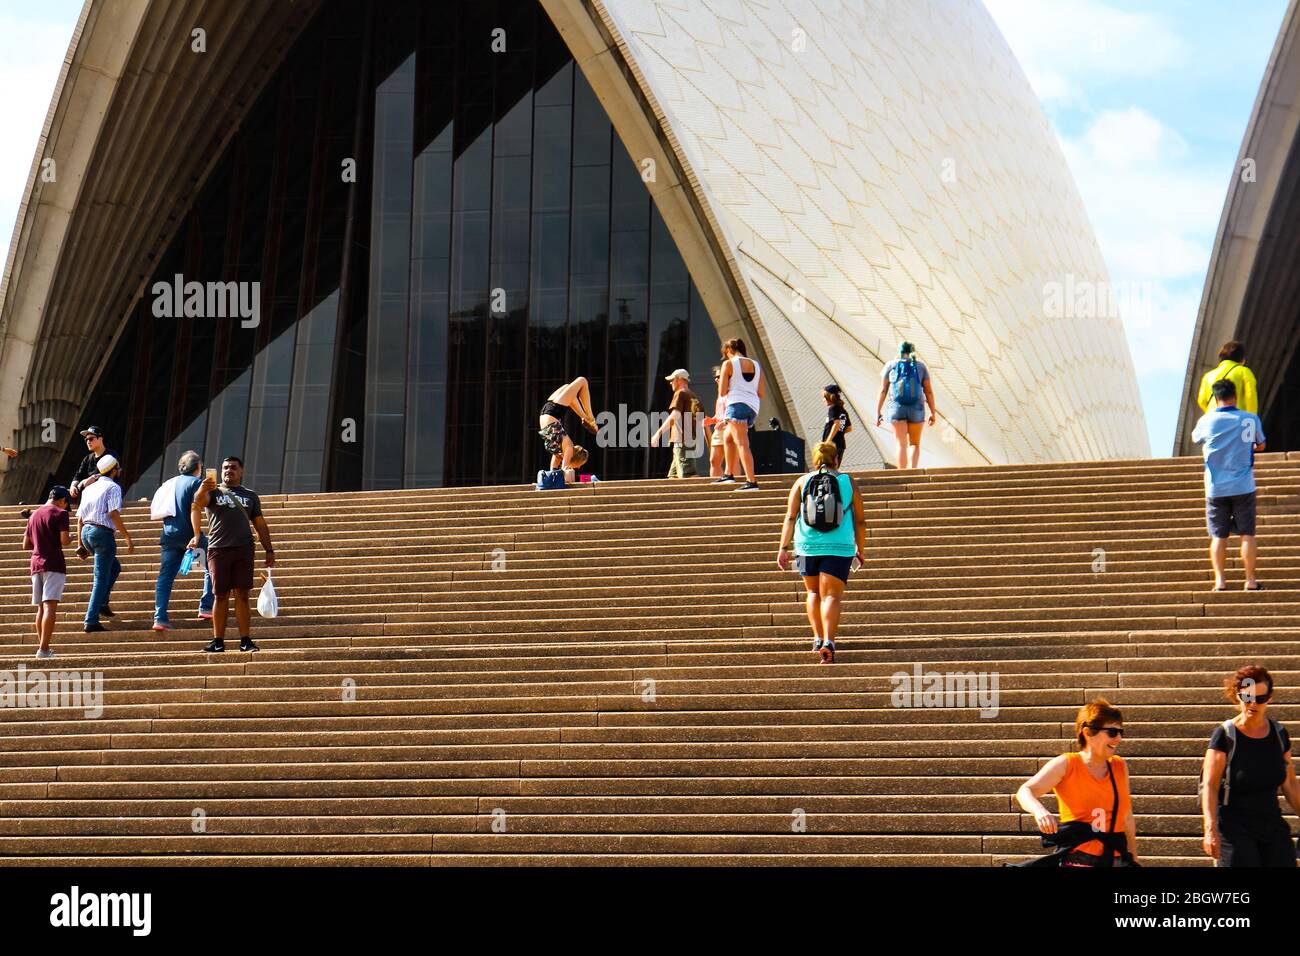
[
  {"x": 99, "y": 514},
  {"x": 681, "y": 424}
]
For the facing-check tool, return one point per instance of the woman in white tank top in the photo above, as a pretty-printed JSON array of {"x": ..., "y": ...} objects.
[{"x": 742, "y": 386}]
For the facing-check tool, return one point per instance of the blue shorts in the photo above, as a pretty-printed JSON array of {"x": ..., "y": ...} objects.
[
  {"x": 811, "y": 565},
  {"x": 740, "y": 412},
  {"x": 904, "y": 413},
  {"x": 1234, "y": 514}
]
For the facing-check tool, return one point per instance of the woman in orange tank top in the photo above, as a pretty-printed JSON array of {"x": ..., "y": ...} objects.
[{"x": 1087, "y": 783}]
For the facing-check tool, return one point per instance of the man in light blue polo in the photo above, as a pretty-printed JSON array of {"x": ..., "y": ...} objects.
[
  {"x": 172, "y": 504},
  {"x": 1229, "y": 438}
]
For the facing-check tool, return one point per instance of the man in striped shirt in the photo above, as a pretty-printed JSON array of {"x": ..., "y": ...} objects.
[{"x": 99, "y": 514}]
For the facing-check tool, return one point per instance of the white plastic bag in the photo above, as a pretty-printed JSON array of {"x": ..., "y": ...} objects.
[{"x": 268, "y": 605}]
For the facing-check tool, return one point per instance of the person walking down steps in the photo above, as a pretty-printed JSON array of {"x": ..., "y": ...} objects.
[
  {"x": 1096, "y": 825},
  {"x": 1247, "y": 762}
]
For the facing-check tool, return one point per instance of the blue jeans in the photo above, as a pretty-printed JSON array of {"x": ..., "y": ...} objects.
[
  {"x": 169, "y": 562},
  {"x": 103, "y": 545}
]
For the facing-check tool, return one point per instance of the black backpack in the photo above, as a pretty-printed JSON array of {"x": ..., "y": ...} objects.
[{"x": 822, "y": 508}]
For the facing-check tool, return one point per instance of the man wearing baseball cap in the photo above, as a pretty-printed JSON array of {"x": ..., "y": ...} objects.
[
  {"x": 88, "y": 470},
  {"x": 99, "y": 514},
  {"x": 681, "y": 424},
  {"x": 46, "y": 534}
]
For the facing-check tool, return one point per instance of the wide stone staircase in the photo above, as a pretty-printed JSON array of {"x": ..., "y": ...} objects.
[{"x": 619, "y": 674}]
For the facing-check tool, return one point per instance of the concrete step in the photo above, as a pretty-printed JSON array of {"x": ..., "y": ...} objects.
[{"x": 496, "y": 648}]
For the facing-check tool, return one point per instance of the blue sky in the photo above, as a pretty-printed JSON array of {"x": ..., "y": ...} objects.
[
  {"x": 34, "y": 39},
  {"x": 1150, "y": 101}
]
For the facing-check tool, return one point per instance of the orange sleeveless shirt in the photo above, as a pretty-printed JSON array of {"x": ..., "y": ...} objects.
[{"x": 1081, "y": 796}]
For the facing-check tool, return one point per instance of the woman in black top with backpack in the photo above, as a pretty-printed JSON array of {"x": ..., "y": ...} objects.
[
  {"x": 837, "y": 418},
  {"x": 1248, "y": 760}
]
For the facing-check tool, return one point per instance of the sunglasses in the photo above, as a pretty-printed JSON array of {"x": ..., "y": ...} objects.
[
  {"x": 1250, "y": 697},
  {"x": 1111, "y": 732}
]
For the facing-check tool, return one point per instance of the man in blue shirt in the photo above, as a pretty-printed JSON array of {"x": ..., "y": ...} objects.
[
  {"x": 176, "y": 496},
  {"x": 1229, "y": 438}
]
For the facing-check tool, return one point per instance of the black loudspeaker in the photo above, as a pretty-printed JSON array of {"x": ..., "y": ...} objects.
[{"x": 777, "y": 452}]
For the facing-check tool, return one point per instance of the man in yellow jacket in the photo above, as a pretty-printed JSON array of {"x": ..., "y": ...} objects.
[{"x": 1230, "y": 358}]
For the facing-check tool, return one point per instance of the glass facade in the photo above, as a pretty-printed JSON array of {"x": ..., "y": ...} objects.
[{"x": 444, "y": 228}]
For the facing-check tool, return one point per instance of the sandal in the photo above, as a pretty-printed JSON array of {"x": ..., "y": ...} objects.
[
  {"x": 1257, "y": 587},
  {"x": 590, "y": 425},
  {"x": 1220, "y": 587},
  {"x": 828, "y": 652}
]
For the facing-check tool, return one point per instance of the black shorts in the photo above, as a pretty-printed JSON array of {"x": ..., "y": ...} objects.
[
  {"x": 811, "y": 565},
  {"x": 231, "y": 569},
  {"x": 1250, "y": 839},
  {"x": 1235, "y": 514}
]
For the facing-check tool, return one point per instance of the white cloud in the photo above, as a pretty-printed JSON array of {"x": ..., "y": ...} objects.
[
  {"x": 1152, "y": 208},
  {"x": 1066, "y": 45},
  {"x": 1126, "y": 137}
]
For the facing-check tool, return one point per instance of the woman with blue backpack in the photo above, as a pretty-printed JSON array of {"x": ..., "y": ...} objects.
[
  {"x": 824, "y": 516},
  {"x": 1248, "y": 760},
  {"x": 904, "y": 394}
]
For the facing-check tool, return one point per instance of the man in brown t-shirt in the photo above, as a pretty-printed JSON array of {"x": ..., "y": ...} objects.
[
  {"x": 234, "y": 514},
  {"x": 682, "y": 424},
  {"x": 48, "y": 530}
]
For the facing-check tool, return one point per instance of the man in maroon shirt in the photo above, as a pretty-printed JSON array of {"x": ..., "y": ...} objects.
[{"x": 47, "y": 533}]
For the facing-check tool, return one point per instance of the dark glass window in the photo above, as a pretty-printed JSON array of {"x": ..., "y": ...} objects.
[
  {"x": 390, "y": 252},
  {"x": 669, "y": 328},
  {"x": 494, "y": 241},
  {"x": 549, "y": 281}
]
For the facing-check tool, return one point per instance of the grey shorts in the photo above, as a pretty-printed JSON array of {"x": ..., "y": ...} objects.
[
  {"x": 48, "y": 586},
  {"x": 904, "y": 413},
  {"x": 1235, "y": 514}
]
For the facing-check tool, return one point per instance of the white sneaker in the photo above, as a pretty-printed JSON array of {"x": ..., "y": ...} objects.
[{"x": 44, "y": 655}]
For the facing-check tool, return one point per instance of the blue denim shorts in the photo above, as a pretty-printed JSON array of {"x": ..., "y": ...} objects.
[
  {"x": 811, "y": 565},
  {"x": 740, "y": 412},
  {"x": 904, "y": 413}
]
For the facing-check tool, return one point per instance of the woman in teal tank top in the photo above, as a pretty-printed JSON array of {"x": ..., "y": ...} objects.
[{"x": 824, "y": 557}]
